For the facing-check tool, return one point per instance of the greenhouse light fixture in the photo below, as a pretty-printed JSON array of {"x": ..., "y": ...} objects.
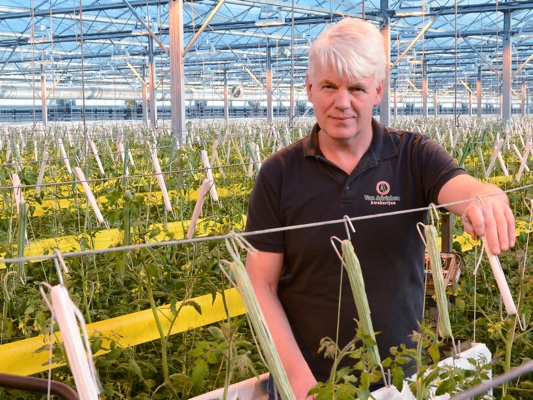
[
  {"x": 408, "y": 34},
  {"x": 527, "y": 29},
  {"x": 409, "y": 8},
  {"x": 119, "y": 53},
  {"x": 40, "y": 39},
  {"x": 206, "y": 48},
  {"x": 140, "y": 30},
  {"x": 242, "y": 62},
  {"x": 285, "y": 51},
  {"x": 269, "y": 16},
  {"x": 305, "y": 45},
  {"x": 470, "y": 69}
]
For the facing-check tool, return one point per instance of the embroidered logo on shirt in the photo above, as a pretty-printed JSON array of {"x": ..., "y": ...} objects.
[
  {"x": 383, "y": 198},
  {"x": 383, "y": 188}
]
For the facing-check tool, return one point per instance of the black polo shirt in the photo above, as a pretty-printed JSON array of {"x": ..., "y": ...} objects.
[{"x": 297, "y": 185}]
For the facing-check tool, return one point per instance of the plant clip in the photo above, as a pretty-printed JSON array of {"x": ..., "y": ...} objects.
[{"x": 348, "y": 224}]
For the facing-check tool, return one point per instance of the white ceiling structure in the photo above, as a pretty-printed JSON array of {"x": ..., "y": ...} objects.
[{"x": 90, "y": 48}]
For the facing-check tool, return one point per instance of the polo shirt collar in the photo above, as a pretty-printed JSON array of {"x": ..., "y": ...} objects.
[{"x": 382, "y": 146}]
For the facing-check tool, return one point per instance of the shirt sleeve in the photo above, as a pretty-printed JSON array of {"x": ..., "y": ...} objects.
[
  {"x": 437, "y": 167},
  {"x": 264, "y": 211}
]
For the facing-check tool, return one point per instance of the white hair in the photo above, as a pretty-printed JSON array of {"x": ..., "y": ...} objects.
[{"x": 353, "y": 47}]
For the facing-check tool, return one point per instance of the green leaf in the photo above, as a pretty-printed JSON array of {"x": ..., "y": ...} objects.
[
  {"x": 211, "y": 358},
  {"x": 196, "y": 353},
  {"x": 151, "y": 270},
  {"x": 199, "y": 372},
  {"x": 173, "y": 308},
  {"x": 114, "y": 354},
  {"x": 194, "y": 304},
  {"x": 434, "y": 353},
  {"x": 216, "y": 332},
  {"x": 96, "y": 345},
  {"x": 134, "y": 367},
  {"x": 154, "y": 233},
  {"x": 179, "y": 381},
  {"x": 446, "y": 387},
  {"x": 398, "y": 377},
  {"x": 365, "y": 381}
]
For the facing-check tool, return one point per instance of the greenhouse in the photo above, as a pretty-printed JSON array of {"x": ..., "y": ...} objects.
[{"x": 197, "y": 203}]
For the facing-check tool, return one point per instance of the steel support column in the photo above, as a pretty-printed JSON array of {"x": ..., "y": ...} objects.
[
  {"x": 425, "y": 89},
  {"x": 506, "y": 67},
  {"x": 152, "y": 83},
  {"x": 384, "y": 107},
  {"x": 523, "y": 98},
  {"x": 226, "y": 96},
  {"x": 145, "y": 98},
  {"x": 43, "y": 97},
  {"x": 270, "y": 108},
  {"x": 479, "y": 91},
  {"x": 177, "y": 74}
]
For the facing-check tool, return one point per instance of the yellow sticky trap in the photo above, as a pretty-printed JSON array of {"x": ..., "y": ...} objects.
[{"x": 20, "y": 357}]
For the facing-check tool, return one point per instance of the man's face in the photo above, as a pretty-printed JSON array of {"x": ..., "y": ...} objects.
[{"x": 343, "y": 108}]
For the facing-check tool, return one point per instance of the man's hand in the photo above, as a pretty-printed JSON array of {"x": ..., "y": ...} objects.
[
  {"x": 487, "y": 214},
  {"x": 492, "y": 219}
]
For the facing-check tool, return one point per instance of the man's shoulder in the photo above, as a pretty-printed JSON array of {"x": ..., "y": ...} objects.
[
  {"x": 405, "y": 138},
  {"x": 289, "y": 154}
]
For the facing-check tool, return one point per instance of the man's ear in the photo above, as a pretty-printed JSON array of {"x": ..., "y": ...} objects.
[
  {"x": 379, "y": 93},
  {"x": 308, "y": 85}
]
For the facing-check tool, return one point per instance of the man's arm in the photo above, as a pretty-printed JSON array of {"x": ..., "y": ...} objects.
[
  {"x": 489, "y": 216},
  {"x": 264, "y": 271}
]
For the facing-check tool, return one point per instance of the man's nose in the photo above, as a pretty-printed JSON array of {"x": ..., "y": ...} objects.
[{"x": 342, "y": 99}]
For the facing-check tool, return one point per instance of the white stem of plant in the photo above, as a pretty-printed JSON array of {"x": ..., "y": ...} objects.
[
  {"x": 497, "y": 148},
  {"x": 79, "y": 357},
  {"x": 500, "y": 280},
  {"x": 209, "y": 174},
  {"x": 64, "y": 155},
  {"x": 250, "y": 172},
  {"x": 523, "y": 159},
  {"x": 8, "y": 150},
  {"x": 70, "y": 141},
  {"x": 206, "y": 184},
  {"x": 89, "y": 194},
  {"x": 502, "y": 163},
  {"x": 161, "y": 181},
  {"x": 41, "y": 172},
  {"x": 121, "y": 150},
  {"x": 98, "y": 161},
  {"x": 131, "y": 158},
  {"x": 18, "y": 161},
  {"x": 17, "y": 190},
  {"x": 214, "y": 158}
]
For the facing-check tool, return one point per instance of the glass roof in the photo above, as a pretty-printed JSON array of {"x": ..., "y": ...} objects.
[{"x": 93, "y": 46}]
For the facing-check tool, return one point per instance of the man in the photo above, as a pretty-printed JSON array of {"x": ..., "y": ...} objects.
[{"x": 352, "y": 165}]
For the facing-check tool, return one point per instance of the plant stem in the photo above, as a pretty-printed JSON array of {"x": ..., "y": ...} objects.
[{"x": 153, "y": 306}]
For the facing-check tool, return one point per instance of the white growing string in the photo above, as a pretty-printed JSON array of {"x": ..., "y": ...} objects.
[
  {"x": 78, "y": 350},
  {"x": 161, "y": 181},
  {"x": 90, "y": 196},
  {"x": 209, "y": 175},
  {"x": 206, "y": 184}
]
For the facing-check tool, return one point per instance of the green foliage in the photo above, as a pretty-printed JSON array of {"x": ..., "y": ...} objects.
[{"x": 119, "y": 283}]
